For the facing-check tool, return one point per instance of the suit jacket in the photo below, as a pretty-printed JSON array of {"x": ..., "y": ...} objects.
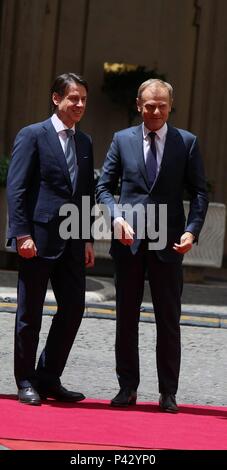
[
  {"x": 181, "y": 169},
  {"x": 39, "y": 184}
]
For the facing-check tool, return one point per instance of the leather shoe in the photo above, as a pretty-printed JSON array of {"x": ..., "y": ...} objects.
[
  {"x": 60, "y": 393},
  {"x": 125, "y": 397},
  {"x": 167, "y": 402},
  {"x": 29, "y": 396}
]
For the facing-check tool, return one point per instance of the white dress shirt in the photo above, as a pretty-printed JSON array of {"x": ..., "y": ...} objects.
[{"x": 60, "y": 128}]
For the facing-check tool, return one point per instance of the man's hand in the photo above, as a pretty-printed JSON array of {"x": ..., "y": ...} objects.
[
  {"x": 123, "y": 231},
  {"x": 26, "y": 247},
  {"x": 185, "y": 244},
  {"x": 89, "y": 255}
]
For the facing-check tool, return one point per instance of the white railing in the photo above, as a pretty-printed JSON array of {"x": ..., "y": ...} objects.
[{"x": 208, "y": 252}]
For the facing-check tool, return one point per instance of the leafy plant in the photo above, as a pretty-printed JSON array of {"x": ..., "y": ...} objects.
[
  {"x": 210, "y": 188},
  {"x": 4, "y": 166},
  {"x": 121, "y": 82}
]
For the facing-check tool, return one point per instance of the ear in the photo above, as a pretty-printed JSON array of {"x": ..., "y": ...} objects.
[
  {"x": 56, "y": 98},
  {"x": 138, "y": 105},
  {"x": 170, "y": 105}
]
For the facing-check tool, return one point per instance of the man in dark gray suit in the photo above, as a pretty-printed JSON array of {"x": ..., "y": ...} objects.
[
  {"x": 52, "y": 165},
  {"x": 156, "y": 163}
]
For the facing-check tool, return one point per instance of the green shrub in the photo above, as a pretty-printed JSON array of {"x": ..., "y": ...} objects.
[
  {"x": 121, "y": 82},
  {"x": 4, "y": 165}
]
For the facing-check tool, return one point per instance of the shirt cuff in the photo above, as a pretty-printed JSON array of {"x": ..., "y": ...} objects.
[{"x": 23, "y": 236}]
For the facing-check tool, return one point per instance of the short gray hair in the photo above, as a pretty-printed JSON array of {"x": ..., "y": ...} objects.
[{"x": 153, "y": 81}]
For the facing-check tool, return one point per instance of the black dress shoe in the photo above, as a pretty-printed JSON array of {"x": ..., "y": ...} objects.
[
  {"x": 125, "y": 397},
  {"x": 167, "y": 402},
  {"x": 29, "y": 396},
  {"x": 60, "y": 393}
]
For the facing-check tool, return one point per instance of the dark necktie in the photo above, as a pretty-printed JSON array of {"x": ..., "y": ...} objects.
[
  {"x": 151, "y": 162},
  {"x": 70, "y": 156}
]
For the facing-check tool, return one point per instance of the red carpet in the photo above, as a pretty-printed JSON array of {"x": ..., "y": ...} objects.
[{"x": 93, "y": 423}]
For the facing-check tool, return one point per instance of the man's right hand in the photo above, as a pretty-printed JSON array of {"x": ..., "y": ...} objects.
[
  {"x": 26, "y": 247},
  {"x": 123, "y": 231}
]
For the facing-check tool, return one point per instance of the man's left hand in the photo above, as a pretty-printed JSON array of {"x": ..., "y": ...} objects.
[
  {"x": 89, "y": 255},
  {"x": 185, "y": 244}
]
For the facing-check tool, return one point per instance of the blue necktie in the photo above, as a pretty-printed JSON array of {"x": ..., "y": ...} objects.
[
  {"x": 70, "y": 156},
  {"x": 151, "y": 162}
]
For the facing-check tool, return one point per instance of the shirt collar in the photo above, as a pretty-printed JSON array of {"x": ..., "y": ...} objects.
[
  {"x": 59, "y": 125},
  {"x": 161, "y": 133}
]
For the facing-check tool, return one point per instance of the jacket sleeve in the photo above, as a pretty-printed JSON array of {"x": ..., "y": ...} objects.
[
  {"x": 22, "y": 166},
  {"x": 108, "y": 181},
  {"x": 196, "y": 187}
]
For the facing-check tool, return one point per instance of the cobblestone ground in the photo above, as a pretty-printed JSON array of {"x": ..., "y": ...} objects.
[{"x": 91, "y": 365}]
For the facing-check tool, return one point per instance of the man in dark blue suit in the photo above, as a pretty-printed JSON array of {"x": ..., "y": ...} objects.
[
  {"x": 52, "y": 165},
  {"x": 155, "y": 163}
]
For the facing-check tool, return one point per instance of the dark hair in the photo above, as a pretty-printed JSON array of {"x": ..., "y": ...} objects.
[{"x": 63, "y": 81}]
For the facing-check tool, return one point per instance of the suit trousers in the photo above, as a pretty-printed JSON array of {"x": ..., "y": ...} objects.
[
  {"x": 166, "y": 282},
  {"x": 67, "y": 276}
]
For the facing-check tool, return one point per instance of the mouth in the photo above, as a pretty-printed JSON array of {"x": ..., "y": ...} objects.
[{"x": 77, "y": 113}]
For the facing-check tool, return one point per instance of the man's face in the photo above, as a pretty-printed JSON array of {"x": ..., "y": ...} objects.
[
  {"x": 71, "y": 106},
  {"x": 154, "y": 106}
]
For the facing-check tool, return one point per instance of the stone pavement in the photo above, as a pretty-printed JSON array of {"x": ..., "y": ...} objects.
[
  {"x": 91, "y": 365},
  {"x": 203, "y": 304}
]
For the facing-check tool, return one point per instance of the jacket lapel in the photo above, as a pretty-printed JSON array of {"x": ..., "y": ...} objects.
[
  {"x": 169, "y": 151},
  {"x": 136, "y": 142},
  {"x": 79, "y": 147},
  {"x": 54, "y": 143}
]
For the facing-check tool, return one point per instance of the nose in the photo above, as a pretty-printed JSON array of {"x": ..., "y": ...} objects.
[
  {"x": 80, "y": 103},
  {"x": 157, "y": 111}
]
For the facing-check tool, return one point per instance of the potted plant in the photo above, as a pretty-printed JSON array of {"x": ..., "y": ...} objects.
[
  {"x": 4, "y": 165},
  {"x": 121, "y": 82}
]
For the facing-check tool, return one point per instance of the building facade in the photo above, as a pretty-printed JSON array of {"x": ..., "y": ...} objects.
[{"x": 185, "y": 40}]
